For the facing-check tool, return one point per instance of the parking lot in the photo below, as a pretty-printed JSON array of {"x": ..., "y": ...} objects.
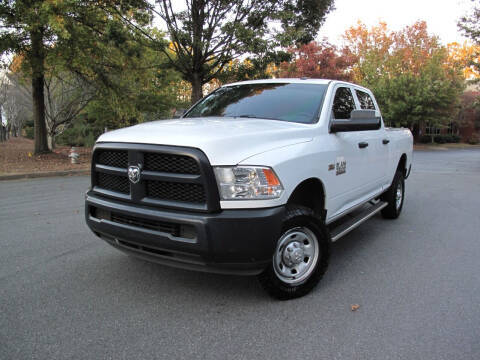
[{"x": 66, "y": 294}]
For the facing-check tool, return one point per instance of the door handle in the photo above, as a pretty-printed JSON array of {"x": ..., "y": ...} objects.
[
  {"x": 362, "y": 144},
  {"x": 385, "y": 141}
]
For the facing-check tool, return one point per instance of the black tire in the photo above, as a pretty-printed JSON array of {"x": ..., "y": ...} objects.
[
  {"x": 299, "y": 217},
  {"x": 392, "y": 210}
]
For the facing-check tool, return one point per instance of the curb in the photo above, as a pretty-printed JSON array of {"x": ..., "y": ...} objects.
[
  {"x": 45, "y": 174},
  {"x": 444, "y": 147}
]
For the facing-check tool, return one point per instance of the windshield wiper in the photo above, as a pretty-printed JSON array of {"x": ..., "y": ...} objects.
[{"x": 250, "y": 116}]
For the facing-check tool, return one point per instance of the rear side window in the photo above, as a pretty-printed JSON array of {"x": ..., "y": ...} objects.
[
  {"x": 343, "y": 103},
  {"x": 365, "y": 100}
]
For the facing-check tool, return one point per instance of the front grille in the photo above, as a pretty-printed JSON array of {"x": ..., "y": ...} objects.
[
  {"x": 170, "y": 176},
  {"x": 115, "y": 158},
  {"x": 113, "y": 182},
  {"x": 169, "y": 228},
  {"x": 187, "y": 192},
  {"x": 169, "y": 163}
]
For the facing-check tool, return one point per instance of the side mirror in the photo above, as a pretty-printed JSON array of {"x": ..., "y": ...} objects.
[{"x": 360, "y": 120}]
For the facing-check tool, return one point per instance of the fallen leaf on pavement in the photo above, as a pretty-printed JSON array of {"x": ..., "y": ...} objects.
[{"x": 354, "y": 307}]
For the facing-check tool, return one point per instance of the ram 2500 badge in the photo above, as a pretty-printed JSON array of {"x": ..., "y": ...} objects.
[{"x": 257, "y": 178}]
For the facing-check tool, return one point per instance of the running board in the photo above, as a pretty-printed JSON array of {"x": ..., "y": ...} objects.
[{"x": 351, "y": 224}]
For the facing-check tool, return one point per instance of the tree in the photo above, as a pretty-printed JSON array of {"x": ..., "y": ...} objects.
[
  {"x": 409, "y": 72},
  {"x": 134, "y": 88},
  {"x": 469, "y": 115},
  {"x": 66, "y": 96},
  {"x": 318, "y": 60},
  {"x": 470, "y": 25},
  {"x": 466, "y": 57},
  {"x": 37, "y": 28},
  {"x": 208, "y": 34},
  {"x": 371, "y": 49},
  {"x": 15, "y": 107}
]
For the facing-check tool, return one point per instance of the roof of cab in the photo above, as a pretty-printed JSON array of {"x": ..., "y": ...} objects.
[{"x": 292, "y": 81}]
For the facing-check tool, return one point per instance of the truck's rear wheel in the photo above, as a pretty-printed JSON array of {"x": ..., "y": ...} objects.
[
  {"x": 301, "y": 255},
  {"x": 395, "y": 196}
]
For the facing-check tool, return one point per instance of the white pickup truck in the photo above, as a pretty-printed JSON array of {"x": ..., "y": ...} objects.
[{"x": 257, "y": 178}]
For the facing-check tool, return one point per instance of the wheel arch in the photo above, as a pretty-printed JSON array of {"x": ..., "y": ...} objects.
[
  {"x": 311, "y": 194},
  {"x": 402, "y": 164}
]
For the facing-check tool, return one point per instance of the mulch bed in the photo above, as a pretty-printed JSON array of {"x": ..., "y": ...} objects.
[{"x": 16, "y": 157}]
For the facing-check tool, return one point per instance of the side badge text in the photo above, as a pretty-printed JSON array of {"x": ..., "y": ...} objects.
[{"x": 340, "y": 165}]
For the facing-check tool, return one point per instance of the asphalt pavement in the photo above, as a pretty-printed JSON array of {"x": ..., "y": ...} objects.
[{"x": 65, "y": 294}]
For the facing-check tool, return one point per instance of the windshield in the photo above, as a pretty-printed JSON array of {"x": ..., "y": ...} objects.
[{"x": 275, "y": 101}]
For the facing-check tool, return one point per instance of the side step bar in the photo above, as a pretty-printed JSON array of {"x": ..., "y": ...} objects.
[{"x": 351, "y": 224}]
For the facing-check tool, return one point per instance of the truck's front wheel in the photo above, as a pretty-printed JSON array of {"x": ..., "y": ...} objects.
[{"x": 301, "y": 255}]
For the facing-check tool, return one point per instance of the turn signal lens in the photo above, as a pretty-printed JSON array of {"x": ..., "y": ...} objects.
[
  {"x": 272, "y": 179},
  {"x": 247, "y": 183}
]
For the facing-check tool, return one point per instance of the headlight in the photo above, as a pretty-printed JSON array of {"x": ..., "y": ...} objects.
[{"x": 247, "y": 183}]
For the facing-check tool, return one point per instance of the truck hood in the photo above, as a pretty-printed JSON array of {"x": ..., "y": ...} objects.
[{"x": 225, "y": 141}]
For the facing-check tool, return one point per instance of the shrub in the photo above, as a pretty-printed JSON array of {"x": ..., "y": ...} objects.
[
  {"x": 474, "y": 139},
  {"x": 28, "y": 127},
  {"x": 440, "y": 139},
  {"x": 80, "y": 133},
  {"x": 425, "y": 139},
  {"x": 446, "y": 138},
  {"x": 455, "y": 138}
]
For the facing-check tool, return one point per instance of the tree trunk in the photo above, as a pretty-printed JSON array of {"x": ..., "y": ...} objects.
[
  {"x": 37, "y": 59},
  {"x": 197, "y": 92},
  {"x": 1, "y": 126},
  {"x": 51, "y": 141}
]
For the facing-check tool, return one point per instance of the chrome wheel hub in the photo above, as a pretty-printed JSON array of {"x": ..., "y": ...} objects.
[
  {"x": 296, "y": 255},
  {"x": 399, "y": 195},
  {"x": 293, "y": 253}
]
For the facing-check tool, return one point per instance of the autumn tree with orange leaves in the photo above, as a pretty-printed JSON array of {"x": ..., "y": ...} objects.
[
  {"x": 409, "y": 72},
  {"x": 469, "y": 25},
  {"x": 467, "y": 57}
]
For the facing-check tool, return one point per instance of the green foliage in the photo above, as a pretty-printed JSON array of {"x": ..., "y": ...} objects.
[
  {"x": 431, "y": 96},
  {"x": 447, "y": 138},
  {"x": 107, "y": 46},
  {"x": 28, "y": 127},
  {"x": 425, "y": 139},
  {"x": 408, "y": 73},
  {"x": 440, "y": 139},
  {"x": 142, "y": 90},
  {"x": 81, "y": 133},
  {"x": 75, "y": 33}
]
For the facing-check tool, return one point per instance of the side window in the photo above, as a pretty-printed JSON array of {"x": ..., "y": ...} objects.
[
  {"x": 365, "y": 100},
  {"x": 343, "y": 103}
]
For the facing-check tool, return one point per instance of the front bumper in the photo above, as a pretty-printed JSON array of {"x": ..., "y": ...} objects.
[{"x": 231, "y": 241}]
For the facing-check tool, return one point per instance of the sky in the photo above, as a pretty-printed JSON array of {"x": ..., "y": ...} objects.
[{"x": 441, "y": 16}]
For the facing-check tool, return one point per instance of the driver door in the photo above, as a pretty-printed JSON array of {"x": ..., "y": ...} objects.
[{"x": 348, "y": 179}]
